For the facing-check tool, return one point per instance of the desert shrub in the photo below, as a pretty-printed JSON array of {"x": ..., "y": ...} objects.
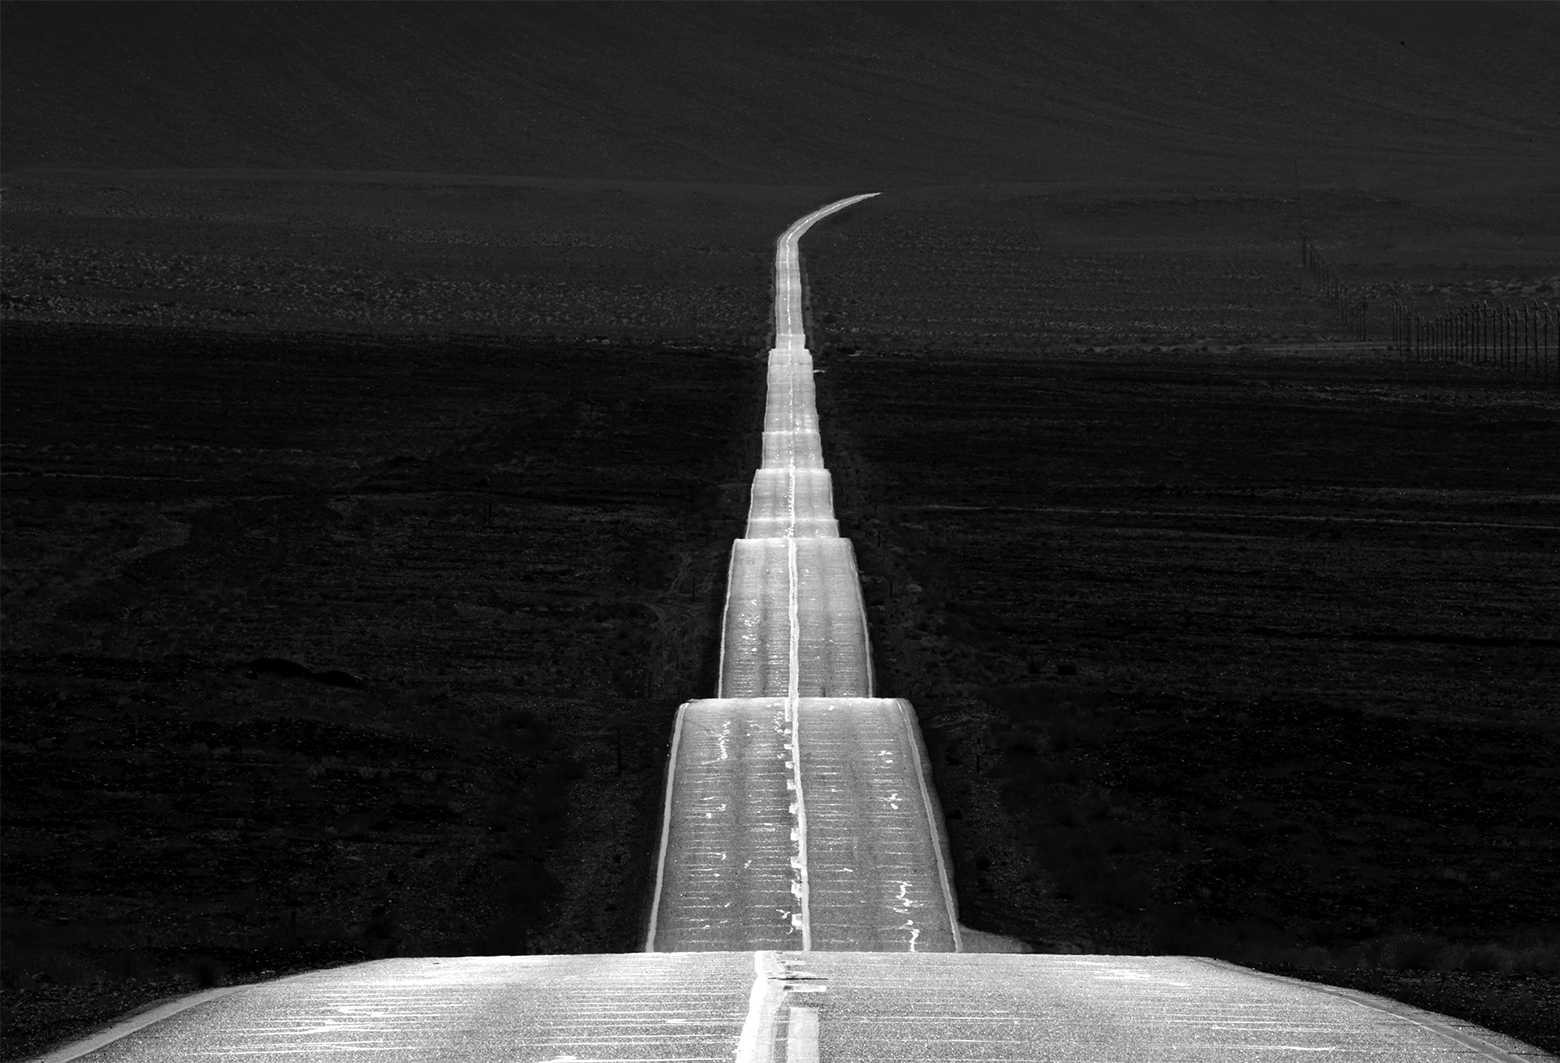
[
  {"x": 1315, "y": 958},
  {"x": 1452, "y": 958},
  {"x": 132, "y": 964},
  {"x": 83, "y": 953},
  {"x": 1351, "y": 958},
  {"x": 1491, "y": 958},
  {"x": 1068, "y": 731},
  {"x": 1541, "y": 958},
  {"x": 33, "y": 962},
  {"x": 206, "y": 971},
  {"x": 1178, "y": 932},
  {"x": 1411, "y": 952}
]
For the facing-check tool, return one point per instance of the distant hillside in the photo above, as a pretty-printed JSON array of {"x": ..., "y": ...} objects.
[{"x": 1350, "y": 93}]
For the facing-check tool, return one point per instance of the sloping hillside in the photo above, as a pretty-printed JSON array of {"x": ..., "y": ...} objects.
[{"x": 1353, "y": 94}]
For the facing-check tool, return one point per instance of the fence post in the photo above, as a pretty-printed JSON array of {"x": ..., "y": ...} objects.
[
  {"x": 1500, "y": 334},
  {"x": 1484, "y": 330},
  {"x": 1533, "y": 335},
  {"x": 1527, "y": 334},
  {"x": 1505, "y": 335},
  {"x": 1533, "y": 325},
  {"x": 1552, "y": 316},
  {"x": 1509, "y": 358},
  {"x": 1511, "y": 337},
  {"x": 1521, "y": 322}
]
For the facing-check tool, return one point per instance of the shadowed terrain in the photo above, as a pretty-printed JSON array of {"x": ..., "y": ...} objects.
[
  {"x": 1243, "y": 655},
  {"x": 322, "y": 649},
  {"x": 379, "y": 393}
]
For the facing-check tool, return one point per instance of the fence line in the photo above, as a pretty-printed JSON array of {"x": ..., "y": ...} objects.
[
  {"x": 1350, "y": 303},
  {"x": 1521, "y": 339},
  {"x": 1524, "y": 338}
]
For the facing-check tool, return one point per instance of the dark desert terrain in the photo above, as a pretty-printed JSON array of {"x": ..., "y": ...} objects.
[{"x": 381, "y": 388}]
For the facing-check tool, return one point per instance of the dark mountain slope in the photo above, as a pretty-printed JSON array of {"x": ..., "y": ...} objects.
[{"x": 814, "y": 93}]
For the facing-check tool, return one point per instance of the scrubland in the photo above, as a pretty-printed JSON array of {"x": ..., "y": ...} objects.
[
  {"x": 382, "y": 388},
  {"x": 1249, "y": 655},
  {"x": 322, "y": 648}
]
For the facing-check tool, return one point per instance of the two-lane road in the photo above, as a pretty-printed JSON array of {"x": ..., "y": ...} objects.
[
  {"x": 801, "y": 823},
  {"x": 806, "y": 587},
  {"x": 764, "y": 1007},
  {"x": 797, "y": 812}
]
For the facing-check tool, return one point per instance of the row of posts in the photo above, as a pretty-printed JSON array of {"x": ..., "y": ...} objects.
[
  {"x": 1350, "y": 302},
  {"x": 1523, "y": 339}
]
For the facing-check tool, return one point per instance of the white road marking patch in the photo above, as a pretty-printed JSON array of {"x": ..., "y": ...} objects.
[{"x": 801, "y": 1035}]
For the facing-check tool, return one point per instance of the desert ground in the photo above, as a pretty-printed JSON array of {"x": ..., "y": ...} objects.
[{"x": 370, "y": 466}]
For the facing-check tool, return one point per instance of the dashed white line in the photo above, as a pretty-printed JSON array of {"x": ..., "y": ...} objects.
[{"x": 793, "y": 689}]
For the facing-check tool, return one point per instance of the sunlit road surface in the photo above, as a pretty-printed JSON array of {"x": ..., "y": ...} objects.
[
  {"x": 767, "y": 1007},
  {"x": 802, "y": 907},
  {"x": 798, "y": 816},
  {"x": 817, "y": 578},
  {"x": 874, "y": 873}
]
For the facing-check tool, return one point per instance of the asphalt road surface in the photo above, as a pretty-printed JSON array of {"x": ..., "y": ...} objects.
[
  {"x": 797, "y": 812},
  {"x": 799, "y": 501},
  {"x": 801, "y": 823},
  {"x": 764, "y": 1007},
  {"x": 802, "y": 908},
  {"x": 808, "y": 588}
]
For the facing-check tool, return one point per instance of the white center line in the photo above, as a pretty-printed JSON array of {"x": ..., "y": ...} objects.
[{"x": 793, "y": 683}]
